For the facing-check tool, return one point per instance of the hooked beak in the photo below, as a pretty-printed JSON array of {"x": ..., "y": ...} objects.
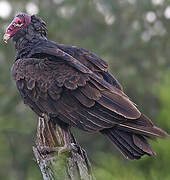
[
  {"x": 10, "y": 31},
  {"x": 6, "y": 37}
]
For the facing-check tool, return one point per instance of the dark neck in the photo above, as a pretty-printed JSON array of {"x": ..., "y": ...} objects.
[{"x": 25, "y": 41}]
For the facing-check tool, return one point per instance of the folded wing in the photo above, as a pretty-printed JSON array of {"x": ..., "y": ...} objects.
[{"x": 75, "y": 86}]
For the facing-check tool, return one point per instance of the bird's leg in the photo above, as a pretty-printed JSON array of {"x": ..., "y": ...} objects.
[
  {"x": 61, "y": 137},
  {"x": 66, "y": 148},
  {"x": 65, "y": 144}
]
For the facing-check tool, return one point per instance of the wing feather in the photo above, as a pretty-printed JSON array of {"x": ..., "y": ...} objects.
[
  {"x": 119, "y": 104},
  {"x": 83, "y": 99},
  {"x": 74, "y": 85},
  {"x": 47, "y": 82}
]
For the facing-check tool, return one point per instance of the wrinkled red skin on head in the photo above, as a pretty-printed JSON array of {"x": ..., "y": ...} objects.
[{"x": 11, "y": 29}]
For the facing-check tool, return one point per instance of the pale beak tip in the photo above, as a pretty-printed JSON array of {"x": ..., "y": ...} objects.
[{"x": 6, "y": 37}]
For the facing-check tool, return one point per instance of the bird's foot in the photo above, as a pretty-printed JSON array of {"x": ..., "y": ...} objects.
[{"x": 59, "y": 150}]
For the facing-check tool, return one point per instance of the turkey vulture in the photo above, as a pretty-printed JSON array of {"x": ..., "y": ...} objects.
[{"x": 73, "y": 86}]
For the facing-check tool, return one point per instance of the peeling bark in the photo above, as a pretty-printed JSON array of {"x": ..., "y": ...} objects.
[{"x": 58, "y": 154}]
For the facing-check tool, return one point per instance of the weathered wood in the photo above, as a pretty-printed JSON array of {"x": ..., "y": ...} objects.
[{"x": 58, "y": 154}]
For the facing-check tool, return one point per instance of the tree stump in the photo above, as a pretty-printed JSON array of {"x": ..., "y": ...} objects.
[{"x": 69, "y": 164}]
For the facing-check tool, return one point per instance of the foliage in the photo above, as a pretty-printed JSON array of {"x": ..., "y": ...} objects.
[
  {"x": 112, "y": 168},
  {"x": 133, "y": 37}
]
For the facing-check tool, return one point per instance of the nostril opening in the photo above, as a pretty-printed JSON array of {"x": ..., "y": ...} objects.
[{"x": 9, "y": 29}]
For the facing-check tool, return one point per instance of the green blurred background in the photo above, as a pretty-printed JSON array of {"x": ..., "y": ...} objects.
[{"x": 133, "y": 36}]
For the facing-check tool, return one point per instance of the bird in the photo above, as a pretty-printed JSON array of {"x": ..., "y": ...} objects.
[{"x": 74, "y": 87}]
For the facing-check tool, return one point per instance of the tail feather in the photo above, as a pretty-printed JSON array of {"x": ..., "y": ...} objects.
[
  {"x": 147, "y": 131},
  {"x": 129, "y": 140},
  {"x": 141, "y": 142},
  {"x": 132, "y": 146},
  {"x": 144, "y": 126},
  {"x": 127, "y": 154},
  {"x": 131, "y": 137}
]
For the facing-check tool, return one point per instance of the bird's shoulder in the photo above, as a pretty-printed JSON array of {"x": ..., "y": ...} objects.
[
  {"x": 79, "y": 58},
  {"x": 66, "y": 58},
  {"x": 86, "y": 57}
]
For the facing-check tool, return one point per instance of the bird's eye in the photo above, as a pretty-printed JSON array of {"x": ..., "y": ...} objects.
[{"x": 18, "y": 23}]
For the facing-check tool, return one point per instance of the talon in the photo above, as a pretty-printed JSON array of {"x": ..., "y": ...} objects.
[
  {"x": 45, "y": 150},
  {"x": 59, "y": 150},
  {"x": 64, "y": 149}
]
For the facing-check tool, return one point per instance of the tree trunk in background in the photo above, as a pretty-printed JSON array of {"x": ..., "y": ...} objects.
[{"x": 69, "y": 164}]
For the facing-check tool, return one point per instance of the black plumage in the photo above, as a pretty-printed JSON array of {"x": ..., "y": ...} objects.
[{"x": 73, "y": 85}]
